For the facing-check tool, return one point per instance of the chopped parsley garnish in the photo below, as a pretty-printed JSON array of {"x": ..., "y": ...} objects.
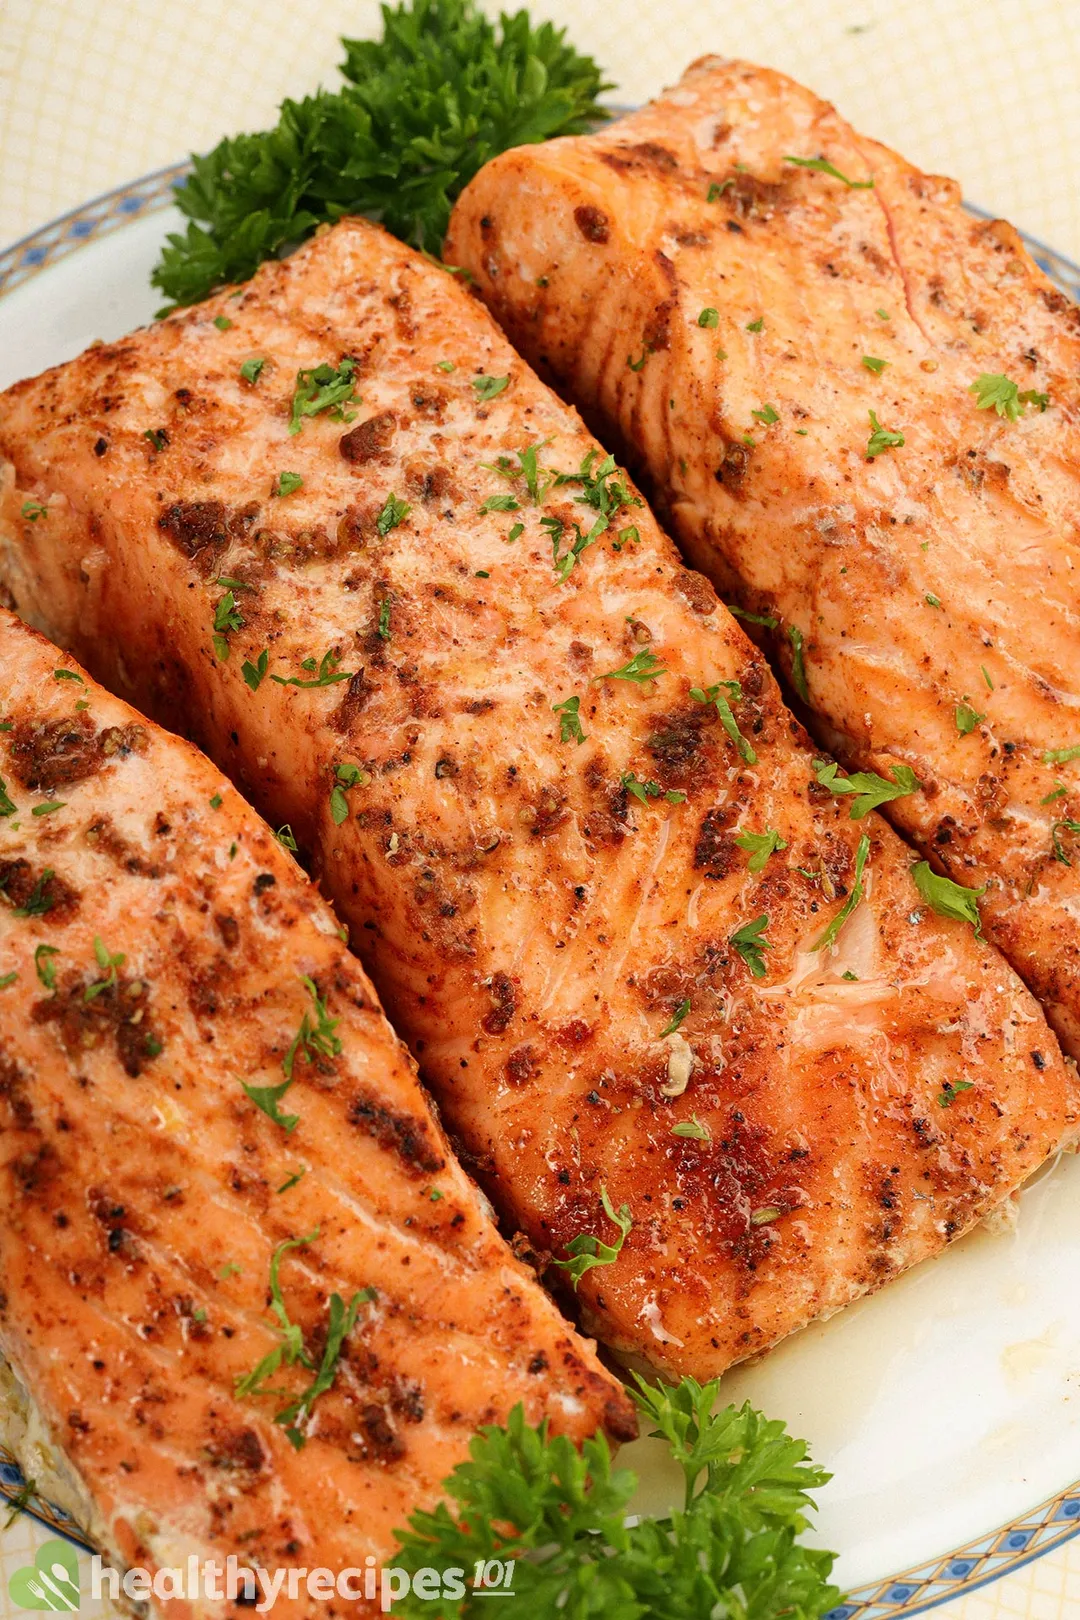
[
  {"x": 44, "y": 966},
  {"x": 750, "y": 942},
  {"x": 287, "y": 484},
  {"x": 637, "y": 365},
  {"x": 382, "y": 629},
  {"x": 830, "y": 935},
  {"x": 342, "y": 1320},
  {"x": 760, "y": 846},
  {"x": 251, "y": 370},
  {"x": 324, "y": 388},
  {"x": 393, "y": 512},
  {"x": 644, "y": 666},
  {"x": 108, "y": 962},
  {"x": 756, "y": 326},
  {"x": 947, "y": 898},
  {"x": 883, "y": 314},
  {"x": 798, "y": 662},
  {"x": 32, "y": 510},
  {"x": 767, "y": 414},
  {"x": 445, "y": 365},
  {"x": 644, "y": 791},
  {"x": 157, "y": 437},
  {"x": 872, "y": 363},
  {"x": 1059, "y": 792},
  {"x": 714, "y": 695},
  {"x": 1061, "y": 756},
  {"x": 500, "y": 503},
  {"x": 995, "y": 392},
  {"x": 516, "y": 531},
  {"x": 291, "y": 1348},
  {"x": 8, "y": 979},
  {"x": 8, "y": 807},
  {"x": 823, "y": 166},
  {"x": 951, "y": 1090},
  {"x": 227, "y": 617},
  {"x": 718, "y": 187},
  {"x": 347, "y": 776},
  {"x": 764, "y": 619},
  {"x": 627, "y": 537},
  {"x": 48, "y": 807},
  {"x": 569, "y": 720},
  {"x": 20, "y": 1501},
  {"x": 692, "y": 1128},
  {"x": 297, "y": 1176},
  {"x": 586, "y": 1251},
  {"x": 967, "y": 718},
  {"x": 870, "y": 790},
  {"x": 986, "y": 677},
  {"x": 255, "y": 673},
  {"x": 286, "y": 839},
  {"x": 709, "y": 318},
  {"x": 324, "y": 673},
  {"x": 676, "y": 1019},
  {"x": 881, "y": 439},
  {"x": 222, "y": 322},
  {"x": 268, "y": 1099},
  {"x": 68, "y": 675},
  {"x": 489, "y": 387},
  {"x": 38, "y": 902},
  {"x": 932, "y": 600},
  {"x": 1056, "y": 830},
  {"x": 605, "y": 490}
]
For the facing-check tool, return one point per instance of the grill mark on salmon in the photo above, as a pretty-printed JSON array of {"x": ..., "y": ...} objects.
[{"x": 534, "y": 924}]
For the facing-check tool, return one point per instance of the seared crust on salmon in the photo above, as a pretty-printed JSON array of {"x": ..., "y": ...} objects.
[
  {"x": 648, "y": 965},
  {"x": 930, "y": 568},
  {"x": 159, "y": 952}
]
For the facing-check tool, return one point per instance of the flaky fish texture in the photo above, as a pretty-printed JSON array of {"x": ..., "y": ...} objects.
[
  {"x": 159, "y": 953},
  {"x": 541, "y": 771},
  {"x": 744, "y": 291}
]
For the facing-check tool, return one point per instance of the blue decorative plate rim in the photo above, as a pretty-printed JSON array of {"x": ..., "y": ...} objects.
[{"x": 907, "y": 1594}]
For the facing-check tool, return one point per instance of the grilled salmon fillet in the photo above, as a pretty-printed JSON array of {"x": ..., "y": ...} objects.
[
  {"x": 160, "y": 952},
  {"x": 747, "y": 322},
  {"x": 551, "y": 786}
]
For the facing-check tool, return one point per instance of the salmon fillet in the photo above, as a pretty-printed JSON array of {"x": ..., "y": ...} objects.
[
  {"x": 768, "y": 310},
  {"x": 636, "y": 1024},
  {"x": 160, "y": 951}
]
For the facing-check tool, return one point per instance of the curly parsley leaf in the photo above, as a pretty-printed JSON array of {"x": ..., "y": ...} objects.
[
  {"x": 881, "y": 439},
  {"x": 760, "y": 846},
  {"x": 947, "y": 898},
  {"x": 644, "y": 666},
  {"x": 733, "y": 1549},
  {"x": 586, "y": 1251},
  {"x": 750, "y": 942},
  {"x": 323, "y": 388},
  {"x": 993, "y": 391},
  {"x": 569, "y": 720},
  {"x": 427, "y": 105},
  {"x": 869, "y": 789}
]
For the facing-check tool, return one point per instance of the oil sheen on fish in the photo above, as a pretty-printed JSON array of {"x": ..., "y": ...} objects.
[
  {"x": 693, "y": 1025},
  {"x": 859, "y": 406},
  {"x": 164, "y": 966}
]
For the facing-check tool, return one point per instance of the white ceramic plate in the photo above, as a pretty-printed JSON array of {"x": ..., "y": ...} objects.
[{"x": 948, "y": 1406}]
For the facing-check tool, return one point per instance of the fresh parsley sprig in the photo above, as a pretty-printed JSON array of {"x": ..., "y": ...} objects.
[
  {"x": 733, "y": 1549},
  {"x": 868, "y": 789},
  {"x": 427, "y": 105}
]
